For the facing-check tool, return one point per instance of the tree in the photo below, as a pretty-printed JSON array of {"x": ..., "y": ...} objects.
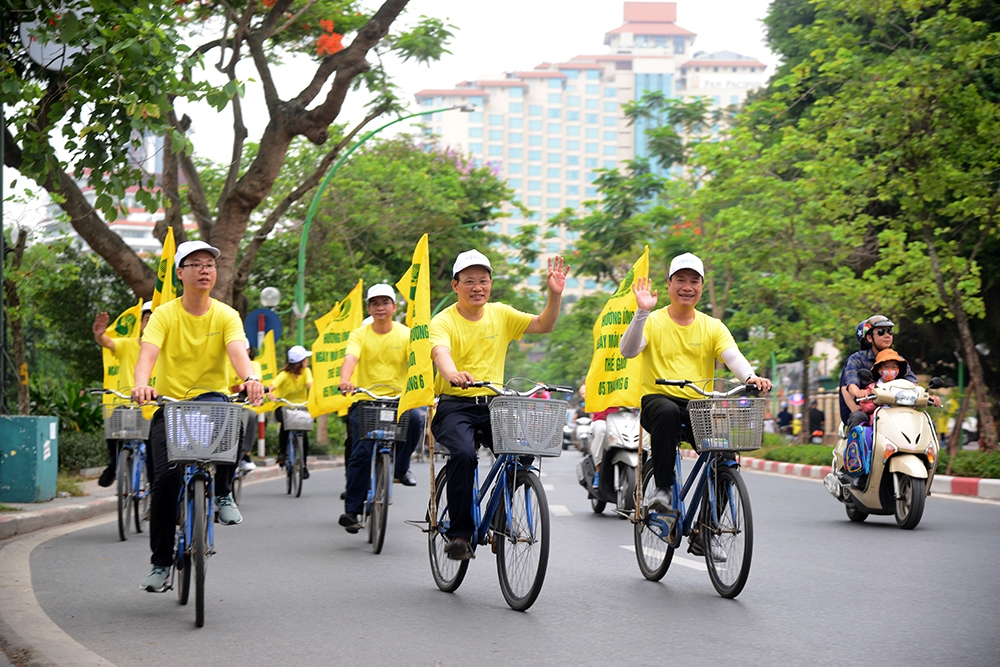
[{"x": 131, "y": 79}]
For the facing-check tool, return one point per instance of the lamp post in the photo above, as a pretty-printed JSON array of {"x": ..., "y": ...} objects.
[{"x": 299, "y": 307}]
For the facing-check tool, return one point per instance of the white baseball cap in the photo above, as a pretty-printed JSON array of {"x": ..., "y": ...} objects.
[
  {"x": 471, "y": 258},
  {"x": 188, "y": 247},
  {"x": 147, "y": 306},
  {"x": 297, "y": 353},
  {"x": 686, "y": 261},
  {"x": 382, "y": 289}
]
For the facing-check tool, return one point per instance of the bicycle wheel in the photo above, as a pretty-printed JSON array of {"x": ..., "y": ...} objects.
[
  {"x": 182, "y": 550},
  {"x": 727, "y": 536},
  {"x": 199, "y": 545},
  {"x": 289, "y": 463},
  {"x": 140, "y": 494},
  {"x": 651, "y": 548},
  {"x": 124, "y": 490},
  {"x": 448, "y": 574},
  {"x": 522, "y": 541},
  {"x": 298, "y": 463},
  {"x": 625, "y": 491},
  {"x": 380, "y": 503}
]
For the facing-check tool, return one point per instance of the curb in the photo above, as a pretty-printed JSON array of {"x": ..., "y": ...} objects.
[
  {"x": 986, "y": 489},
  {"x": 20, "y": 523}
]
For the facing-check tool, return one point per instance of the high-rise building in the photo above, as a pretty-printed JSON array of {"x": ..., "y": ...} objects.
[{"x": 547, "y": 130}]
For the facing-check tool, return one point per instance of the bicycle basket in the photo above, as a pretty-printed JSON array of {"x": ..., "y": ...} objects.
[
  {"x": 125, "y": 423},
  {"x": 203, "y": 431},
  {"x": 527, "y": 425},
  {"x": 296, "y": 419},
  {"x": 727, "y": 424},
  {"x": 378, "y": 421}
]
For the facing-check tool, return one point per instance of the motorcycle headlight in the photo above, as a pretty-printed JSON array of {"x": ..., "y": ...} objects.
[
  {"x": 931, "y": 454},
  {"x": 890, "y": 449},
  {"x": 905, "y": 396}
]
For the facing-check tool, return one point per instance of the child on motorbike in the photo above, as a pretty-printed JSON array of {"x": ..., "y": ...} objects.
[{"x": 887, "y": 367}]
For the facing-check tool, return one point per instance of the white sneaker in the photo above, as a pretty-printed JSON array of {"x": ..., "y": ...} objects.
[
  {"x": 660, "y": 501},
  {"x": 247, "y": 466}
]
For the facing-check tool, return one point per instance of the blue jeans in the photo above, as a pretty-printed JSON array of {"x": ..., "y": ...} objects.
[{"x": 359, "y": 461}]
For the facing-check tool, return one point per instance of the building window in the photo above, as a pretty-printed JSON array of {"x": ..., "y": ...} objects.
[
  {"x": 611, "y": 92},
  {"x": 715, "y": 100},
  {"x": 516, "y": 214},
  {"x": 571, "y": 235},
  {"x": 496, "y": 150},
  {"x": 610, "y": 135},
  {"x": 555, "y": 113},
  {"x": 553, "y": 202},
  {"x": 572, "y": 130},
  {"x": 554, "y": 128},
  {"x": 514, "y": 153},
  {"x": 572, "y": 189},
  {"x": 734, "y": 100},
  {"x": 591, "y": 192},
  {"x": 591, "y": 133},
  {"x": 517, "y": 107},
  {"x": 496, "y": 119},
  {"x": 610, "y": 107},
  {"x": 572, "y": 115},
  {"x": 554, "y": 158},
  {"x": 573, "y": 101},
  {"x": 555, "y": 98},
  {"x": 555, "y": 142},
  {"x": 591, "y": 119},
  {"x": 514, "y": 183},
  {"x": 496, "y": 135},
  {"x": 515, "y": 123},
  {"x": 553, "y": 188},
  {"x": 611, "y": 150},
  {"x": 534, "y": 109},
  {"x": 678, "y": 45},
  {"x": 534, "y": 170},
  {"x": 534, "y": 200},
  {"x": 516, "y": 92},
  {"x": 534, "y": 215},
  {"x": 514, "y": 137},
  {"x": 535, "y": 125},
  {"x": 476, "y": 117},
  {"x": 610, "y": 164},
  {"x": 572, "y": 144},
  {"x": 610, "y": 121},
  {"x": 476, "y": 101},
  {"x": 590, "y": 147},
  {"x": 590, "y": 284},
  {"x": 553, "y": 172},
  {"x": 534, "y": 140},
  {"x": 555, "y": 83},
  {"x": 534, "y": 281},
  {"x": 573, "y": 203},
  {"x": 572, "y": 175},
  {"x": 590, "y": 163},
  {"x": 514, "y": 167},
  {"x": 593, "y": 89},
  {"x": 535, "y": 186},
  {"x": 593, "y": 104},
  {"x": 476, "y": 148},
  {"x": 572, "y": 160},
  {"x": 427, "y": 101},
  {"x": 475, "y": 132},
  {"x": 552, "y": 246}
]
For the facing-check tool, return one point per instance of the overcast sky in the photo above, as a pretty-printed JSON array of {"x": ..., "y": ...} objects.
[{"x": 496, "y": 37}]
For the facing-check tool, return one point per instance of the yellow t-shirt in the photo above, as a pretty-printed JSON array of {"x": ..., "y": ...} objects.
[
  {"x": 234, "y": 377},
  {"x": 381, "y": 359},
  {"x": 293, "y": 387},
  {"x": 479, "y": 348},
  {"x": 119, "y": 367},
  {"x": 681, "y": 353},
  {"x": 193, "y": 358}
]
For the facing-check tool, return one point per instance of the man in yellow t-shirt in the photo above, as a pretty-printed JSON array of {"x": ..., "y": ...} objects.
[
  {"x": 194, "y": 338},
  {"x": 469, "y": 343},
  {"x": 376, "y": 355},
  {"x": 126, "y": 351},
  {"x": 678, "y": 343}
]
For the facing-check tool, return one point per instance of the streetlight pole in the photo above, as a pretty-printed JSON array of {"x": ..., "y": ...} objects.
[{"x": 300, "y": 306}]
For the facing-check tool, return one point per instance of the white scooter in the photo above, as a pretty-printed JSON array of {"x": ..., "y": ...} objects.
[
  {"x": 904, "y": 455},
  {"x": 616, "y": 482},
  {"x": 584, "y": 430}
]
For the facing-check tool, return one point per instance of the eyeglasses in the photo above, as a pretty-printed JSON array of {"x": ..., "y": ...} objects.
[
  {"x": 469, "y": 284},
  {"x": 200, "y": 267},
  {"x": 883, "y": 332}
]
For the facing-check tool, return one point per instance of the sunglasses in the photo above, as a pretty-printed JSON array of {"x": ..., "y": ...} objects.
[{"x": 883, "y": 332}]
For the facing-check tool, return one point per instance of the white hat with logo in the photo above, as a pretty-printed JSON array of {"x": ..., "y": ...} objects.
[
  {"x": 297, "y": 353},
  {"x": 188, "y": 247},
  {"x": 471, "y": 258},
  {"x": 382, "y": 289},
  {"x": 686, "y": 261}
]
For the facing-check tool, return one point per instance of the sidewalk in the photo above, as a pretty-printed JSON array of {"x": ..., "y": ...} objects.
[{"x": 97, "y": 501}]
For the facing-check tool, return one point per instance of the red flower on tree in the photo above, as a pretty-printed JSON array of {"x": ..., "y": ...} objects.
[
  {"x": 269, "y": 3},
  {"x": 329, "y": 42}
]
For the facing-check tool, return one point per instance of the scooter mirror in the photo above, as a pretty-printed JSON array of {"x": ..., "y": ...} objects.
[{"x": 935, "y": 383}]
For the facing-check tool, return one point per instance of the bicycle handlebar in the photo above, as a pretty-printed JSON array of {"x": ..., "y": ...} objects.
[
  {"x": 502, "y": 390},
  {"x": 377, "y": 397},
  {"x": 160, "y": 399},
  {"x": 739, "y": 388},
  {"x": 278, "y": 399}
]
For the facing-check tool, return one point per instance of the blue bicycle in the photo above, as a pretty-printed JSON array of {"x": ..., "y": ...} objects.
[
  {"x": 515, "y": 520},
  {"x": 717, "y": 517},
  {"x": 297, "y": 422},
  {"x": 128, "y": 424},
  {"x": 199, "y": 435}
]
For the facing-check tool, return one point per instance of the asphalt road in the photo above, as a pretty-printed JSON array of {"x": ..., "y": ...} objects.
[{"x": 289, "y": 587}]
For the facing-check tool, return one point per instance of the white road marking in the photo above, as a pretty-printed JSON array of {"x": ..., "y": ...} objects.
[
  {"x": 548, "y": 487},
  {"x": 679, "y": 560},
  {"x": 559, "y": 510}
]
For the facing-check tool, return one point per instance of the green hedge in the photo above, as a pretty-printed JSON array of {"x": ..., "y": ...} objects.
[
  {"x": 81, "y": 450},
  {"x": 972, "y": 464},
  {"x": 817, "y": 455}
]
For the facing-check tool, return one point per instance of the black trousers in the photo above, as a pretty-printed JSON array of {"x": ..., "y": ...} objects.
[
  {"x": 663, "y": 417},
  {"x": 454, "y": 428}
]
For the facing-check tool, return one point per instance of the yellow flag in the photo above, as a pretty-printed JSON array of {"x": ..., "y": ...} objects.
[
  {"x": 613, "y": 380},
  {"x": 119, "y": 376},
  {"x": 267, "y": 360},
  {"x": 416, "y": 286},
  {"x": 329, "y": 350},
  {"x": 166, "y": 276}
]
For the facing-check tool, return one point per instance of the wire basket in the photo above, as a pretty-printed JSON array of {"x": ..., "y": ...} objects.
[
  {"x": 727, "y": 424},
  {"x": 203, "y": 431},
  {"x": 125, "y": 423},
  {"x": 527, "y": 425},
  {"x": 378, "y": 420},
  {"x": 296, "y": 419}
]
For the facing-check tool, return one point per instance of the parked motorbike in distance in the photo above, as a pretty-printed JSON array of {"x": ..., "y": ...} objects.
[
  {"x": 904, "y": 455},
  {"x": 616, "y": 481},
  {"x": 583, "y": 434}
]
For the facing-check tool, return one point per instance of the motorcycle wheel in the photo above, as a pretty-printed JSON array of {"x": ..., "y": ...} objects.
[
  {"x": 625, "y": 500},
  {"x": 910, "y": 504},
  {"x": 854, "y": 514},
  {"x": 597, "y": 505}
]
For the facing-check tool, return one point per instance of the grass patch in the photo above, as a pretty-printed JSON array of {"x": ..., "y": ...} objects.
[
  {"x": 972, "y": 464},
  {"x": 8, "y": 508},
  {"x": 817, "y": 455},
  {"x": 69, "y": 483}
]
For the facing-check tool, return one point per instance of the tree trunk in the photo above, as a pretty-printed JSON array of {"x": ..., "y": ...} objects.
[
  {"x": 977, "y": 384},
  {"x": 806, "y": 357},
  {"x": 16, "y": 330}
]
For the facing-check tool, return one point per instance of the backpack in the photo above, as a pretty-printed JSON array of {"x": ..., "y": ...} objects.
[{"x": 858, "y": 452}]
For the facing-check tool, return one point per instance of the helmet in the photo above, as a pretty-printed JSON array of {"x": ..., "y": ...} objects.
[{"x": 865, "y": 326}]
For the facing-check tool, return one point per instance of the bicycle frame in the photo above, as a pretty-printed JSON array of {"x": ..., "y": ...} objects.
[
  {"x": 697, "y": 479},
  {"x": 380, "y": 447},
  {"x": 138, "y": 448},
  {"x": 185, "y": 533},
  {"x": 503, "y": 471}
]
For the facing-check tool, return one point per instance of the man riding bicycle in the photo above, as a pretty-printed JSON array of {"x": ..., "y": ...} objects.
[
  {"x": 194, "y": 337},
  {"x": 677, "y": 342},
  {"x": 469, "y": 342}
]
